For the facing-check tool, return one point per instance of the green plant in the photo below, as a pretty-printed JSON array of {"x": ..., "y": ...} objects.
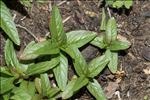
[
  {"x": 40, "y": 63},
  {"x": 119, "y": 3},
  {"x": 110, "y": 41},
  {"x": 17, "y": 73},
  {"x": 7, "y": 24}
]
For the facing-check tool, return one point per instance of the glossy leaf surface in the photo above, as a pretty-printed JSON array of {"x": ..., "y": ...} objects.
[
  {"x": 56, "y": 27},
  {"x": 61, "y": 72},
  {"x": 45, "y": 84},
  {"x": 98, "y": 42},
  {"x": 10, "y": 55},
  {"x": 97, "y": 65},
  {"x": 34, "y": 50},
  {"x": 119, "y": 45},
  {"x": 96, "y": 90},
  {"x": 79, "y": 62},
  {"x": 42, "y": 67},
  {"x": 6, "y": 84},
  {"x": 111, "y": 31},
  {"x": 113, "y": 60},
  {"x": 79, "y": 38},
  {"x": 7, "y": 24}
]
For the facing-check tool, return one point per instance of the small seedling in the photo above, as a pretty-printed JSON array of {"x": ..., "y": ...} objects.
[
  {"x": 111, "y": 42},
  {"x": 119, "y": 3}
]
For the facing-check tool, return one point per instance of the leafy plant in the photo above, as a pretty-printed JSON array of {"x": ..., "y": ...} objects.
[
  {"x": 119, "y": 3},
  {"x": 30, "y": 77},
  {"x": 111, "y": 42},
  {"x": 7, "y": 23},
  {"x": 17, "y": 73}
]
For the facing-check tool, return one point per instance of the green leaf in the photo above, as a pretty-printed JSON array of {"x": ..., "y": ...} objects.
[
  {"x": 6, "y": 84},
  {"x": 118, "y": 4},
  {"x": 79, "y": 62},
  {"x": 34, "y": 50},
  {"x": 97, "y": 65},
  {"x": 69, "y": 89},
  {"x": 37, "y": 83},
  {"x": 113, "y": 60},
  {"x": 36, "y": 97},
  {"x": 5, "y": 71},
  {"x": 10, "y": 55},
  {"x": 42, "y": 67},
  {"x": 98, "y": 42},
  {"x": 80, "y": 82},
  {"x": 28, "y": 87},
  {"x": 96, "y": 90},
  {"x": 52, "y": 92},
  {"x": 26, "y": 3},
  {"x": 119, "y": 45},
  {"x": 45, "y": 84},
  {"x": 103, "y": 22},
  {"x": 128, "y": 3},
  {"x": 6, "y": 96},
  {"x": 7, "y": 24},
  {"x": 73, "y": 86},
  {"x": 56, "y": 27},
  {"x": 61, "y": 72},
  {"x": 111, "y": 31},
  {"x": 20, "y": 94},
  {"x": 79, "y": 38}
]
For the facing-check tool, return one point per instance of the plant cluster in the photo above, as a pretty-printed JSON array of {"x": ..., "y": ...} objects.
[
  {"x": 31, "y": 76},
  {"x": 119, "y": 3}
]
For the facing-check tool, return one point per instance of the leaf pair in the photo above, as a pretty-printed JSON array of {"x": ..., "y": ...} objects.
[{"x": 110, "y": 42}]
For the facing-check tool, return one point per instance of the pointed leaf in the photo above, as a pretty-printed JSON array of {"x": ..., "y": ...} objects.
[
  {"x": 111, "y": 31},
  {"x": 96, "y": 90},
  {"x": 56, "y": 27},
  {"x": 119, "y": 45},
  {"x": 20, "y": 94},
  {"x": 28, "y": 87},
  {"x": 7, "y": 24},
  {"x": 61, "y": 72},
  {"x": 98, "y": 42},
  {"x": 79, "y": 62},
  {"x": 79, "y": 38},
  {"x": 113, "y": 60},
  {"x": 69, "y": 89},
  {"x": 37, "y": 83},
  {"x": 42, "y": 67},
  {"x": 52, "y": 92},
  {"x": 97, "y": 65},
  {"x": 6, "y": 84},
  {"x": 5, "y": 71},
  {"x": 80, "y": 82},
  {"x": 45, "y": 84},
  {"x": 34, "y": 50},
  {"x": 103, "y": 22},
  {"x": 10, "y": 55}
]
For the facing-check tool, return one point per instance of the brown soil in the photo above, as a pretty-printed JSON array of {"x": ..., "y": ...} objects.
[{"x": 132, "y": 81}]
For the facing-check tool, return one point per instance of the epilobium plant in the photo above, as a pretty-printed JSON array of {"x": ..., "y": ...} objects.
[
  {"x": 30, "y": 78},
  {"x": 111, "y": 42}
]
